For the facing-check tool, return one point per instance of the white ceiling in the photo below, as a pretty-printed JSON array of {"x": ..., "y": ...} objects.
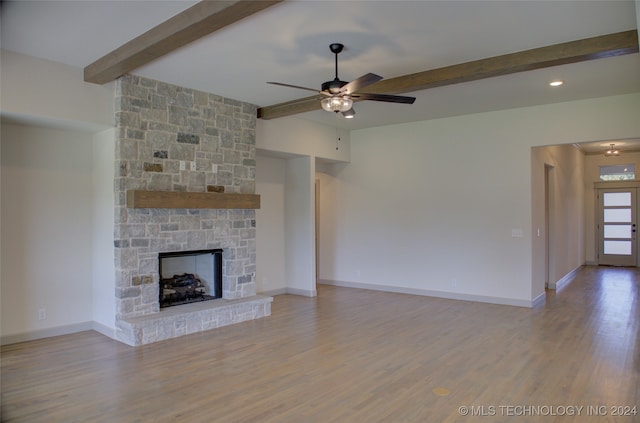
[{"x": 289, "y": 43}]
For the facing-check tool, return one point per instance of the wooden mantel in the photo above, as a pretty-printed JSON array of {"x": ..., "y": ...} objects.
[{"x": 137, "y": 199}]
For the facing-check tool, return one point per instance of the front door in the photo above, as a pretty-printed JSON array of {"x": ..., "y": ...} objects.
[{"x": 617, "y": 227}]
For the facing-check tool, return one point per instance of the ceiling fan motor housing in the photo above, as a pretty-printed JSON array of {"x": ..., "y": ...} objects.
[{"x": 333, "y": 86}]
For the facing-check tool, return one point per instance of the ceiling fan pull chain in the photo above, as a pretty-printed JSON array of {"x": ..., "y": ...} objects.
[{"x": 337, "y": 135}]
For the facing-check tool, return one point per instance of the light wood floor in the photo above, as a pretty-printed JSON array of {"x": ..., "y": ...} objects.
[{"x": 353, "y": 356}]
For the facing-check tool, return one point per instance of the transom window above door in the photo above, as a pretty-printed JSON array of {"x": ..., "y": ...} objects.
[{"x": 623, "y": 172}]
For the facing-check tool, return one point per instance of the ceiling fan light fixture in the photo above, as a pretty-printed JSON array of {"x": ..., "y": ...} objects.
[
  {"x": 612, "y": 151},
  {"x": 336, "y": 104}
]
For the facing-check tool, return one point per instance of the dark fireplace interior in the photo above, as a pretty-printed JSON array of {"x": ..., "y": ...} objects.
[{"x": 190, "y": 276}]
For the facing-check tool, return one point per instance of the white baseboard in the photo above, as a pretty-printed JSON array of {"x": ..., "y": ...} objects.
[
  {"x": 303, "y": 292},
  {"x": 292, "y": 291},
  {"x": 539, "y": 300},
  {"x": 103, "y": 329},
  {"x": 565, "y": 280},
  {"x": 46, "y": 333},
  {"x": 274, "y": 292},
  {"x": 430, "y": 293}
]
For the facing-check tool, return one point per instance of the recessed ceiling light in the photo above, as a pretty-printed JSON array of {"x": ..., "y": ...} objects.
[{"x": 556, "y": 83}]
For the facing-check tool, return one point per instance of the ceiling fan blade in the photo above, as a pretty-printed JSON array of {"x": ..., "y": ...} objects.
[
  {"x": 294, "y": 86},
  {"x": 359, "y": 83},
  {"x": 349, "y": 114},
  {"x": 385, "y": 97},
  {"x": 325, "y": 93}
]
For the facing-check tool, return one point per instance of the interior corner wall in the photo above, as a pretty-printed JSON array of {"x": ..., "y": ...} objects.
[
  {"x": 103, "y": 278},
  {"x": 326, "y": 219},
  {"x": 566, "y": 214},
  {"x": 446, "y": 208},
  {"x": 46, "y": 230},
  {"x": 285, "y": 223},
  {"x": 300, "y": 226},
  {"x": 270, "y": 226},
  {"x": 285, "y": 237}
]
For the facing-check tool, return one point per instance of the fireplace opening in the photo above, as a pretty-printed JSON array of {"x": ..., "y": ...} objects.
[{"x": 190, "y": 276}]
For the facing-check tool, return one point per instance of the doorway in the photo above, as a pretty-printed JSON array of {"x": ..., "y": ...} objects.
[{"x": 616, "y": 225}]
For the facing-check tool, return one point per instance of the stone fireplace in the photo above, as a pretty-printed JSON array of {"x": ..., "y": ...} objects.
[{"x": 174, "y": 140}]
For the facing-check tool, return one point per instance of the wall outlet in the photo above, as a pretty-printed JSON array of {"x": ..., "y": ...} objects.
[
  {"x": 42, "y": 314},
  {"x": 193, "y": 165},
  {"x": 182, "y": 165}
]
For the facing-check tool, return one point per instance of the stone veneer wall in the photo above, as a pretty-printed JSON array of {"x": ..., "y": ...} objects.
[{"x": 160, "y": 126}]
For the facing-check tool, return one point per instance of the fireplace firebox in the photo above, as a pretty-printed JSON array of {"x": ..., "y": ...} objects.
[{"x": 190, "y": 276}]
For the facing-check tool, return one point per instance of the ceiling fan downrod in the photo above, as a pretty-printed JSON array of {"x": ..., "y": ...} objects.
[
  {"x": 336, "y": 48},
  {"x": 334, "y": 86}
]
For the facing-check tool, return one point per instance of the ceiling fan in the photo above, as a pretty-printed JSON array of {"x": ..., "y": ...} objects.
[{"x": 338, "y": 96}]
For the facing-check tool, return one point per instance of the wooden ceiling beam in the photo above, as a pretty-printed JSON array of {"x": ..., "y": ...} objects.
[
  {"x": 617, "y": 44},
  {"x": 199, "y": 20}
]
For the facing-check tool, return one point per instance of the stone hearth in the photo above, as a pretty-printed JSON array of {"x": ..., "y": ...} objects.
[
  {"x": 175, "y": 139},
  {"x": 191, "y": 318}
]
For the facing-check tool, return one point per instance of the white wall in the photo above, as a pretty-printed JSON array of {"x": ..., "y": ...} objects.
[
  {"x": 433, "y": 210},
  {"x": 57, "y": 199},
  {"x": 103, "y": 277},
  {"x": 48, "y": 92},
  {"x": 299, "y": 137},
  {"x": 270, "y": 225},
  {"x": 46, "y": 228},
  {"x": 300, "y": 226}
]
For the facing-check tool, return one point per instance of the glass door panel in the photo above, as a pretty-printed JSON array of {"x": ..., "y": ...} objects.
[
  {"x": 612, "y": 199},
  {"x": 617, "y": 231},
  {"x": 617, "y": 247},
  {"x": 617, "y": 215}
]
